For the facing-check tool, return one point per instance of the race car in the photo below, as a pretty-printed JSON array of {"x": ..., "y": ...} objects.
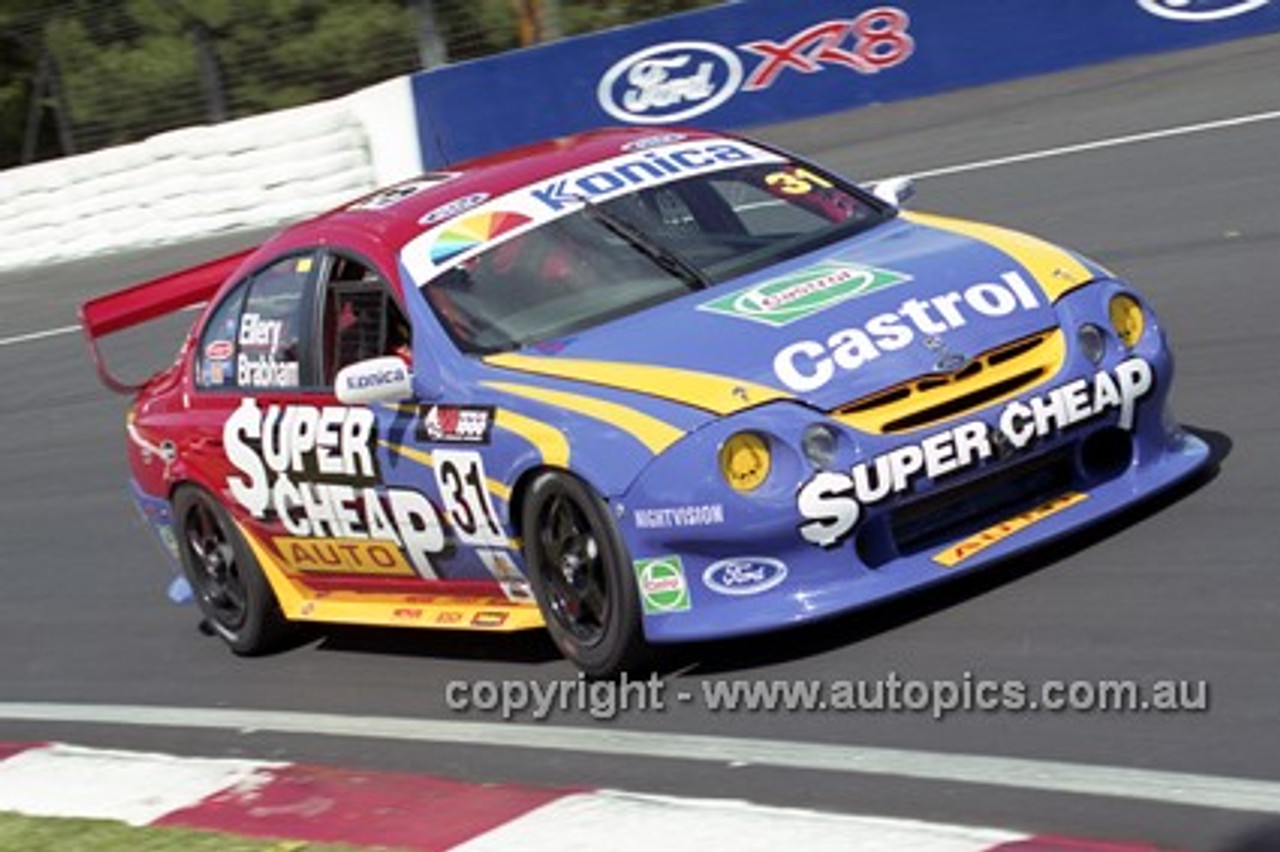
[{"x": 637, "y": 386}]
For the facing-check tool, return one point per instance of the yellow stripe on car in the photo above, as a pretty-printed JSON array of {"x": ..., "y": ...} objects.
[
  {"x": 496, "y": 488},
  {"x": 992, "y": 535},
  {"x": 1057, "y": 271},
  {"x": 549, "y": 440},
  {"x": 655, "y": 434},
  {"x": 708, "y": 391},
  {"x": 1041, "y": 358},
  {"x": 300, "y": 602}
]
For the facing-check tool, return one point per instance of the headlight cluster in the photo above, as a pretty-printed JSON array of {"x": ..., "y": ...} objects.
[
  {"x": 745, "y": 461},
  {"x": 1093, "y": 343},
  {"x": 1127, "y": 319},
  {"x": 819, "y": 445},
  {"x": 748, "y": 458}
]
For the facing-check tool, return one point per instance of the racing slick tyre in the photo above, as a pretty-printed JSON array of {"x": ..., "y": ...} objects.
[
  {"x": 581, "y": 576},
  {"x": 229, "y": 587}
]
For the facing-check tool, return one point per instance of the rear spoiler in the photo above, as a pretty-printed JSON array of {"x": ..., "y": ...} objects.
[{"x": 148, "y": 301}]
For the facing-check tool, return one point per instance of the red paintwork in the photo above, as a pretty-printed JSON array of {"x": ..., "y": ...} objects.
[
  {"x": 177, "y": 429},
  {"x": 151, "y": 300},
  {"x": 159, "y": 296}
]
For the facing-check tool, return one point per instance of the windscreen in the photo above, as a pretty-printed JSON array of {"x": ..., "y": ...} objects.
[{"x": 607, "y": 259}]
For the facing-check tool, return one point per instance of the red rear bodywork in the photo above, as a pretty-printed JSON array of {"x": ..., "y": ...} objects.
[{"x": 148, "y": 301}]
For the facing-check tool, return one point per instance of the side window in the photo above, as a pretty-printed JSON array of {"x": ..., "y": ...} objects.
[
  {"x": 215, "y": 366},
  {"x": 254, "y": 339},
  {"x": 270, "y": 337},
  {"x": 361, "y": 320}
]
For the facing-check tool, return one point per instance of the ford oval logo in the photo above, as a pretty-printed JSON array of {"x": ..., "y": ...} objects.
[
  {"x": 748, "y": 575},
  {"x": 1200, "y": 11},
  {"x": 670, "y": 82}
]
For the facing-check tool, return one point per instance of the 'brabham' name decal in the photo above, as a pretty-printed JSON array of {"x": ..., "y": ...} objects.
[{"x": 831, "y": 503}]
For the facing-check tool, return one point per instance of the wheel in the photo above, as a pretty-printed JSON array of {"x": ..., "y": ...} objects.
[
  {"x": 233, "y": 595},
  {"x": 581, "y": 576}
]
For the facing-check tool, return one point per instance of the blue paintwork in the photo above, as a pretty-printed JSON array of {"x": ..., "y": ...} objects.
[
  {"x": 824, "y": 582},
  {"x": 157, "y": 515},
  {"x": 764, "y": 524},
  {"x": 678, "y": 334},
  {"x": 819, "y": 582}
]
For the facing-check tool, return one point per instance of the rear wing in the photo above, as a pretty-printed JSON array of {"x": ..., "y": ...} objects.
[{"x": 148, "y": 301}]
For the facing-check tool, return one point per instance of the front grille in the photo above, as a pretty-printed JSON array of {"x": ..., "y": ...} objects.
[
  {"x": 968, "y": 402},
  {"x": 994, "y": 375},
  {"x": 960, "y": 512}
]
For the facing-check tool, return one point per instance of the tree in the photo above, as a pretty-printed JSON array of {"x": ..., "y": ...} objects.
[
  {"x": 132, "y": 68},
  {"x": 128, "y": 69},
  {"x": 20, "y": 103}
]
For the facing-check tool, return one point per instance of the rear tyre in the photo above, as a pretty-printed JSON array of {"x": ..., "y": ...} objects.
[
  {"x": 581, "y": 576},
  {"x": 229, "y": 587}
]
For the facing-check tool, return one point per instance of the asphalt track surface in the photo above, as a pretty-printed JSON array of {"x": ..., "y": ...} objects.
[{"x": 1186, "y": 590}]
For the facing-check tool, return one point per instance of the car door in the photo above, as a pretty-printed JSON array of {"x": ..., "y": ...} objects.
[
  {"x": 427, "y": 450},
  {"x": 301, "y": 471},
  {"x": 251, "y": 355}
]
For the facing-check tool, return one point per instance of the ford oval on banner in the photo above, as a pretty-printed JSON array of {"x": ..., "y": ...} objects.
[
  {"x": 1200, "y": 11},
  {"x": 669, "y": 83}
]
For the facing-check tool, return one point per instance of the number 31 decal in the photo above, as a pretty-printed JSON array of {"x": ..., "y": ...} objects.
[
  {"x": 797, "y": 181},
  {"x": 461, "y": 480}
]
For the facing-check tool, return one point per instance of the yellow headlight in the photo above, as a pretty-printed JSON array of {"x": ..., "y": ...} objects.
[
  {"x": 744, "y": 461},
  {"x": 1127, "y": 319}
]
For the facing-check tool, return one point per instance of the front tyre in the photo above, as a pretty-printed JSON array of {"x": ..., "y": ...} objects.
[
  {"x": 581, "y": 575},
  {"x": 229, "y": 587}
]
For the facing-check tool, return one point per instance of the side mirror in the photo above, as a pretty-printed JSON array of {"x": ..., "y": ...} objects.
[
  {"x": 384, "y": 379},
  {"x": 895, "y": 190}
]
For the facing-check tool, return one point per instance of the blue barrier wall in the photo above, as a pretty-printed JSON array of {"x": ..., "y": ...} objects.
[{"x": 761, "y": 61}]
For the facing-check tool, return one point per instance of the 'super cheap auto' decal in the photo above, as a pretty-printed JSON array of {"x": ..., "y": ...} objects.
[
  {"x": 831, "y": 502},
  {"x": 314, "y": 469}
]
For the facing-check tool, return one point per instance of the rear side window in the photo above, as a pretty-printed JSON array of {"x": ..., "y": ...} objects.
[
  {"x": 255, "y": 338},
  {"x": 216, "y": 366}
]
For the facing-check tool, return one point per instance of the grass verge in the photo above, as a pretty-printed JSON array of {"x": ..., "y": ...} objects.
[{"x": 47, "y": 834}]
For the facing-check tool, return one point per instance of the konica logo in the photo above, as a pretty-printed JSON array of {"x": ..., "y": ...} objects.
[
  {"x": 1200, "y": 11},
  {"x": 670, "y": 82},
  {"x": 375, "y": 379},
  {"x": 744, "y": 575}
]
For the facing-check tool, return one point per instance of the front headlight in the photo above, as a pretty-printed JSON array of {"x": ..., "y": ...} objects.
[
  {"x": 745, "y": 461},
  {"x": 1092, "y": 342},
  {"x": 1127, "y": 319},
  {"x": 819, "y": 445}
]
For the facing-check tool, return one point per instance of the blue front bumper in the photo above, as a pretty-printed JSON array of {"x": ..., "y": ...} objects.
[{"x": 746, "y": 564}]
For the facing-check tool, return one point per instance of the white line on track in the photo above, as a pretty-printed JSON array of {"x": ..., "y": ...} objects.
[
  {"x": 959, "y": 168},
  {"x": 1177, "y": 788},
  {"x": 39, "y": 335},
  {"x": 1099, "y": 144}
]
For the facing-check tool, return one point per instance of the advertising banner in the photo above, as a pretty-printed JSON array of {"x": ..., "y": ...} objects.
[{"x": 762, "y": 61}]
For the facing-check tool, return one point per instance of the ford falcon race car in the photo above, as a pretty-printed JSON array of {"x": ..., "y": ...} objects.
[{"x": 636, "y": 386}]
